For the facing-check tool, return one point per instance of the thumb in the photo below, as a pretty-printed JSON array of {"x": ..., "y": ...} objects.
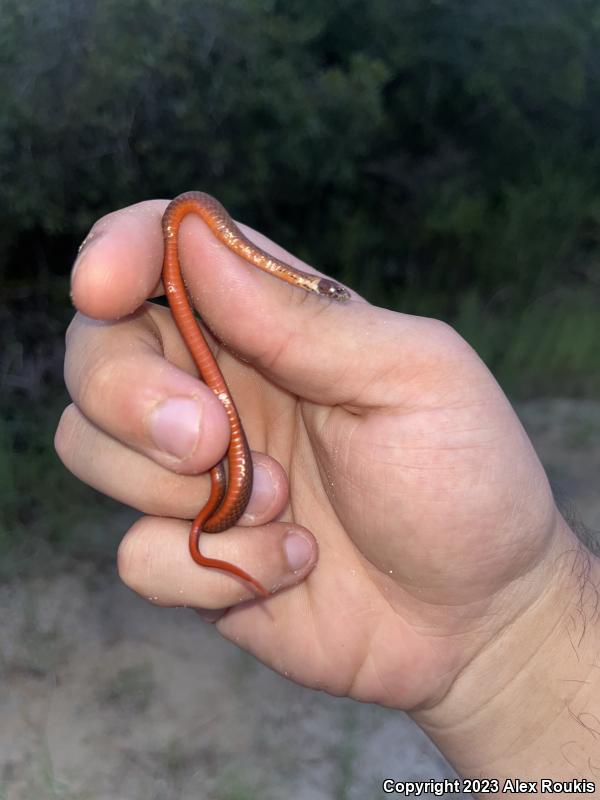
[
  {"x": 267, "y": 306},
  {"x": 320, "y": 350}
]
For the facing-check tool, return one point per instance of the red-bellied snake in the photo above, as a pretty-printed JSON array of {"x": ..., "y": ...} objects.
[{"x": 228, "y": 497}]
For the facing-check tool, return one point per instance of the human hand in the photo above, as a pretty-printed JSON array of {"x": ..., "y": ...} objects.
[{"x": 435, "y": 522}]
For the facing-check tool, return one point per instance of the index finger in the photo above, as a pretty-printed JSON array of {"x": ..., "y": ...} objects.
[{"x": 119, "y": 263}]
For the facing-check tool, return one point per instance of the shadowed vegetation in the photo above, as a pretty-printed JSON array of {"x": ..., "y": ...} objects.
[{"x": 441, "y": 157}]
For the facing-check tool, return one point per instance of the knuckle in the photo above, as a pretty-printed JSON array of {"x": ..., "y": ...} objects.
[
  {"x": 441, "y": 329},
  {"x": 72, "y": 328},
  {"x": 65, "y": 433},
  {"x": 134, "y": 557},
  {"x": 95, "y": 379},
  {"x": 443, "y": 338}
]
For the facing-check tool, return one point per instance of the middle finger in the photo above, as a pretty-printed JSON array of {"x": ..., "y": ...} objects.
[{"x": 129, "y": 477}]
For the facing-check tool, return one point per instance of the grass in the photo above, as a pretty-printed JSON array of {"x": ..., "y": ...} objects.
[
  {"x": 347, "y": 751},
  {"x": 42, "y": 783},
  {"x": 580, "y": 433},
  {"x": 42, "y": 506},
  {"x": 131, "y": 689},
  {"x": 40, "y": 652},
  {"x": 550, "y": 347},
  {"x": 236, "y": 787}
]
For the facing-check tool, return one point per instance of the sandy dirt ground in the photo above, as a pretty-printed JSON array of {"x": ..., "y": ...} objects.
[{"x": 105, "y": 697}]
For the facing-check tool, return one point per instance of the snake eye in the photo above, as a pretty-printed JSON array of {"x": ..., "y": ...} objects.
[{"x": 333, "y": 290}]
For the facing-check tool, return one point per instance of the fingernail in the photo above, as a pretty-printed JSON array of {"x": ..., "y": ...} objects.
[
  {"x": 298, "y": 550},
  {"x": 175, "y": 426},
  {"x": 263, "y": 490}
]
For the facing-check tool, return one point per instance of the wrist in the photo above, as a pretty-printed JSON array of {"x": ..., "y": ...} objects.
[{"x": 528, "y": 704}]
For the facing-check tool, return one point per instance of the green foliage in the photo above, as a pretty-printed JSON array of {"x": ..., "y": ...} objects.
[
  {"x": 428, "y": 144},
  {"x": 40, "y": 502},
  {"x": 440, "y": 156},
  {"x": 549, "y": 344}
]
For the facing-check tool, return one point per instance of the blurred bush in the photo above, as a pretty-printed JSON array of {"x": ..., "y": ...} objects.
[
  {"x": 425, "y": 144},
  {"x": 440, "y": 156}
]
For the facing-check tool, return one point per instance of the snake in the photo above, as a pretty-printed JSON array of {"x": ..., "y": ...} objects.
[{"x": 230, "y": 488}]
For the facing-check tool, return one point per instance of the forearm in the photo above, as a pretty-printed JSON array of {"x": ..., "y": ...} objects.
[{"x": 528, "y": 705}]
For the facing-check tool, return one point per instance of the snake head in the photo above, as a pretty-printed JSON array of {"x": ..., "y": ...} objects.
[{"x": 333, "y": 290}]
